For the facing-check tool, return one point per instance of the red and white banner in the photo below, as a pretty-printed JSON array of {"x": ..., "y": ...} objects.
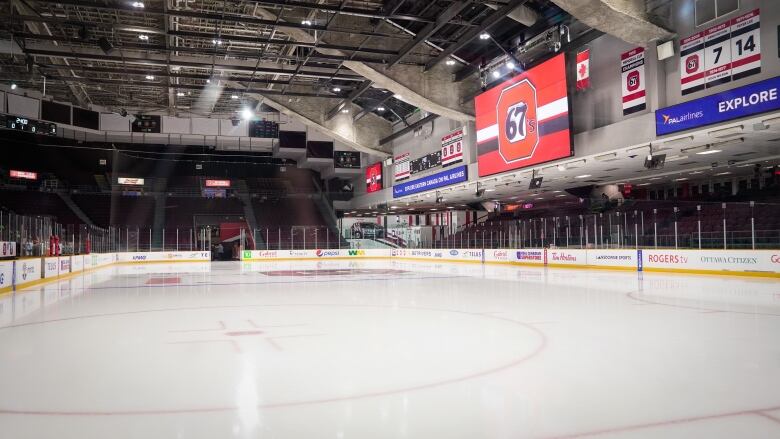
[
  {"x": 524, "y": 121},
  {"x": 717, "y": 54},
  {"x": 692, "y": 63},
  {"x": 632, "y": 68},
  {"x": 374, "y": 177},
  {"x": 27, "y": 175},
  {"x": 217, "y": 183},
  {"x": 583, "y": 69},
  {"x": 452, "y": 147},
  {"x": 401, "y": 169},
  {"x": 746, "y": 45}
]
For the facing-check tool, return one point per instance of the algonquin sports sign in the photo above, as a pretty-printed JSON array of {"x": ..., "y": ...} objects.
[{"x": 525, "y": 120}]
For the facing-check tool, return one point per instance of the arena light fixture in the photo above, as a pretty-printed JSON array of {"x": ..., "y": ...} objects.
[
  {"x": 216, "y": 42},
  {"x": 180, "y": 93},
  {"x": 484, "y": 36},
  {"x": 496, "y": 74},
  {"x": 336, "y": 89},
  {"x": 150, "y": 77},
  {"x": 709, "y": 151},
  {"x": 345, "y": 111},
  {"x": 450, "y": 62},
  {"x": 722, "y": 173},
  {"x": 13, "y": 86},
  {"x": 143, "y": 37},
  {"x": 247, "y": 114},
  {"x": 233, "y": 96},
  {"x": 510, "y": 65},
  {"x": 139, "y": 5},
  {"x": 583, "y": 176},
  {"x": 681, "y": 179},
  {"x": 380, "y": 109},
  {"x": 306, "y": 22}
]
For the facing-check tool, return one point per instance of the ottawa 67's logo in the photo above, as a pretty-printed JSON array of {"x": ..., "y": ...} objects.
[
  {"x": 692, "y": 64},
  {"x": 516, "y": 117},
  {"x": 632, "y": 81}
]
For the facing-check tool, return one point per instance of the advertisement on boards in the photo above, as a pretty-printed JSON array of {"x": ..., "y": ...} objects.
[{"x": 524, "y": 121}]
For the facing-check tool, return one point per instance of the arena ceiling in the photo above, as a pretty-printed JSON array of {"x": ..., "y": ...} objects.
[{"x": 216, "y": 56}]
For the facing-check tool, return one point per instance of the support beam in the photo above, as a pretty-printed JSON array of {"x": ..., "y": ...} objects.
[
  {"x": 624, "y": 19},
  {"x": 431, "y": 28},
  {"x": 352, "y": 96},
  {"x": 410, "y": 128},
  {"x": 485, "y": 25}
]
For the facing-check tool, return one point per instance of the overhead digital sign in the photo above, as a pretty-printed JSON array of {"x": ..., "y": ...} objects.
[
  {"x": 524, "y": 121},
  {"x": 27, "y": 175},
  {"x": 30, "y": 125},
  {"x": 346, "y": 159},
  {"x": 760, "y": 97},
  {"x": 217, "y": 183},
  {"x": 430, "y": 182}
]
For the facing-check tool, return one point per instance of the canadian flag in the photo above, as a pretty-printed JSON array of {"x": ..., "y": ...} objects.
[{"x": 583, "y": 69}]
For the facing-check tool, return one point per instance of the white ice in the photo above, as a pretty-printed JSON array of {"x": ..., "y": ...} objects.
[{"x": 389, "y": 349}]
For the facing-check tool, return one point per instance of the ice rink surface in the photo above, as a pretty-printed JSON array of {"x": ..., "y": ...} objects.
[{"x": 389, "y": 349}]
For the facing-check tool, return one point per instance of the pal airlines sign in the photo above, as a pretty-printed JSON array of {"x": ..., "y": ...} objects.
[{"x": 757, "y": 98}]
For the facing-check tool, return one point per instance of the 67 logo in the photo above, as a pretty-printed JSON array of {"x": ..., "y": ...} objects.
[{"x": 516, "y": 110}]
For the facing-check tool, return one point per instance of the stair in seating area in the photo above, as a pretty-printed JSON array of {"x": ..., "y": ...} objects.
[
  {"x": 74, "y": 208},
  {"x": 249, "y": 212}
]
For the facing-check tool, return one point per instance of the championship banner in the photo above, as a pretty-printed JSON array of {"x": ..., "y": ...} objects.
[
  {"x": 525, "y": 120},
  {"x": 374, "y": 177},
  {"x": 632, "y": 68},
  {"x": 692, "y": 63},
  {"x": 452, "y": 147},
  {"x": 401, "y": 170},
  {"x": 583, "y": 69}
]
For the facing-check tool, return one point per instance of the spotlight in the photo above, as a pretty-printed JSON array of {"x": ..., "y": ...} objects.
[
  {"x": 138, "y": 4},
  {"x": 150, "y": 77},
  {"x": 336, "y": 89},
  {"x": 247, "y": 114},
  {"x": 180, "y": 94},
  {"x": 306, "y": 22},
  {"x": 380, "y": 108},
  {"x": 346, "y": 110},
  {"x": 450, "y": 62},
  {"x": 233, "y": 96},
  {"x": 208, "y": 81},
  {"x": 484, "y": 36},
  {"x": 496, "y": 74},
  {"x": 510, "y": 65},
  {"x": 216, "y": 42},
  {"x": 143, "y": 37},
  {"x": 13, "y": 86}
]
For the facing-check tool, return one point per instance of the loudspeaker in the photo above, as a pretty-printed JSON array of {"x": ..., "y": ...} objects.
[
  {"x": 105, "y": 45},
  {"x": 536, "y": 183},
  {"x": 655, "y": 161}
]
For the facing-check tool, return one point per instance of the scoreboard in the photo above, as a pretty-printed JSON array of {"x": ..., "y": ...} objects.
[
  {"x": 147, "y": 123},
  {"x": 264, "y": 129},
  {"x": 31, "y": 126}
]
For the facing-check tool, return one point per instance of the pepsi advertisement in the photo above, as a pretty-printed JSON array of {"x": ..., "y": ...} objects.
[
  {"x": 433, "y": 181},
  {"x": 749, "y": 100}
]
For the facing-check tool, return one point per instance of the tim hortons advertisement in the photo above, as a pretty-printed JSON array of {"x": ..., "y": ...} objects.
[
  {"x": 374, "y": 177},
  {"x": 746, "y": 261},
  {"x": 566, "y": 257},
  {"x": 525, "y": 120}
]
